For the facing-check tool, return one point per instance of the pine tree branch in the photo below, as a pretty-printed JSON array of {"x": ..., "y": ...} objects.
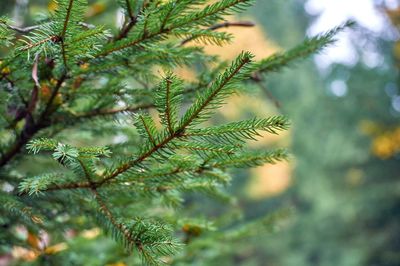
[
  {"x": 129, "y": 9},
  {"x": 309, "y": 47},
  {"x": 225, "y": 24},
  {"x": 177, "y": 133},
  {"x": 53, "y": 38},
  {"x": 106, "y": 211},
  {"x": 197, "y": 17},
  {"x": 147, "y": 130},
  {"x": 130, "y": 239},
  {"x": 168, "y": 107},
  {"x": 196, "y": 112}
]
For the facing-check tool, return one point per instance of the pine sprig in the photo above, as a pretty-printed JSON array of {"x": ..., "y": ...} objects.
[
  {"x": 38, "y": 184},
  {"x": 309, "y": 47},
  {"x": 213, "y": 97},
  {"x": 247, "y": 129},
  {"x": 151, "y": 240},
  {"x": 168, "y": 101},
  {"x": 250, "y": 159}
]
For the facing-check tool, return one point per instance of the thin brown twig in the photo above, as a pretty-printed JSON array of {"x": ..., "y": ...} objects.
[
  {"x": 107, "y": 212},
  {"x": 24, "y": 30},
  {"x": 259, "y": 81},
  {"x": 128, "y": 109},
  {"x": 132, "y": 21}
]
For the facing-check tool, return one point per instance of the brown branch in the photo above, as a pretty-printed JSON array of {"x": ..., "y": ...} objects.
[
  {"x": 53, "y": 38},
  {"x": 22, "y": 30},
  {"x": 222, "y": 25},
  {"x": 31, "y": 128},
  {"x": 256, "y": 78},
  {"x": 107, "y": 212},
  {"x": 146, "y": 128},
  {"x": 64, "y": 31},
  {"x": 67, "y": 17},
  {"x": 132, "y": 21}
]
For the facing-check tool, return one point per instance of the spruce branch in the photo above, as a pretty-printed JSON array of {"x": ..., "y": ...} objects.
[
  {"x": 250, "y": 159},
  {"x": 309, "y": 47},
  {"x": 151, "y": 240},
  {"x": 211, "y": 10},
  {"x": 214, "y": 95},
  {"x": 237, "y": 131},
  {"x": 225, "y": 24}
]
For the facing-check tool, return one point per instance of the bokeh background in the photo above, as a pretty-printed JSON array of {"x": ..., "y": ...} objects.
[{"x": 342, "y": 183}]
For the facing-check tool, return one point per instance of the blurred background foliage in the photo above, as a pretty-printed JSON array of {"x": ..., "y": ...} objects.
[{"x": 343, "y": 179}]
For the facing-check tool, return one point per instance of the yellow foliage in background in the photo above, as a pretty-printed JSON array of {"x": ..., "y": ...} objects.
[
  {"x": 269, "y": 180},
  {"x": 385, "y": 142}
]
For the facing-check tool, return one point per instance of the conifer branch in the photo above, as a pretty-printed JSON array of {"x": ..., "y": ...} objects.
[
  {"x": 207, "y": 12},
  {"x": 64, "y": 31},
  {"x": 147, "y": 129},
  {"x": 309, "y": 47},
  {"x": 225, "y": 24},
  {"x": 168, "y": 106},
  {"x": 192, "y": 114},
  {"x": 199, "y": 106},
  {"x": 120, "y": 227},
  {"x": 53, "y": 38}
]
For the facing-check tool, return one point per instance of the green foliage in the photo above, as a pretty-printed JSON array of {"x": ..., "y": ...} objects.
[
  {"x": 85, "y": 99},
  {"x": 309, "y": 47},
  {"x": 6, "y": 35}
]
